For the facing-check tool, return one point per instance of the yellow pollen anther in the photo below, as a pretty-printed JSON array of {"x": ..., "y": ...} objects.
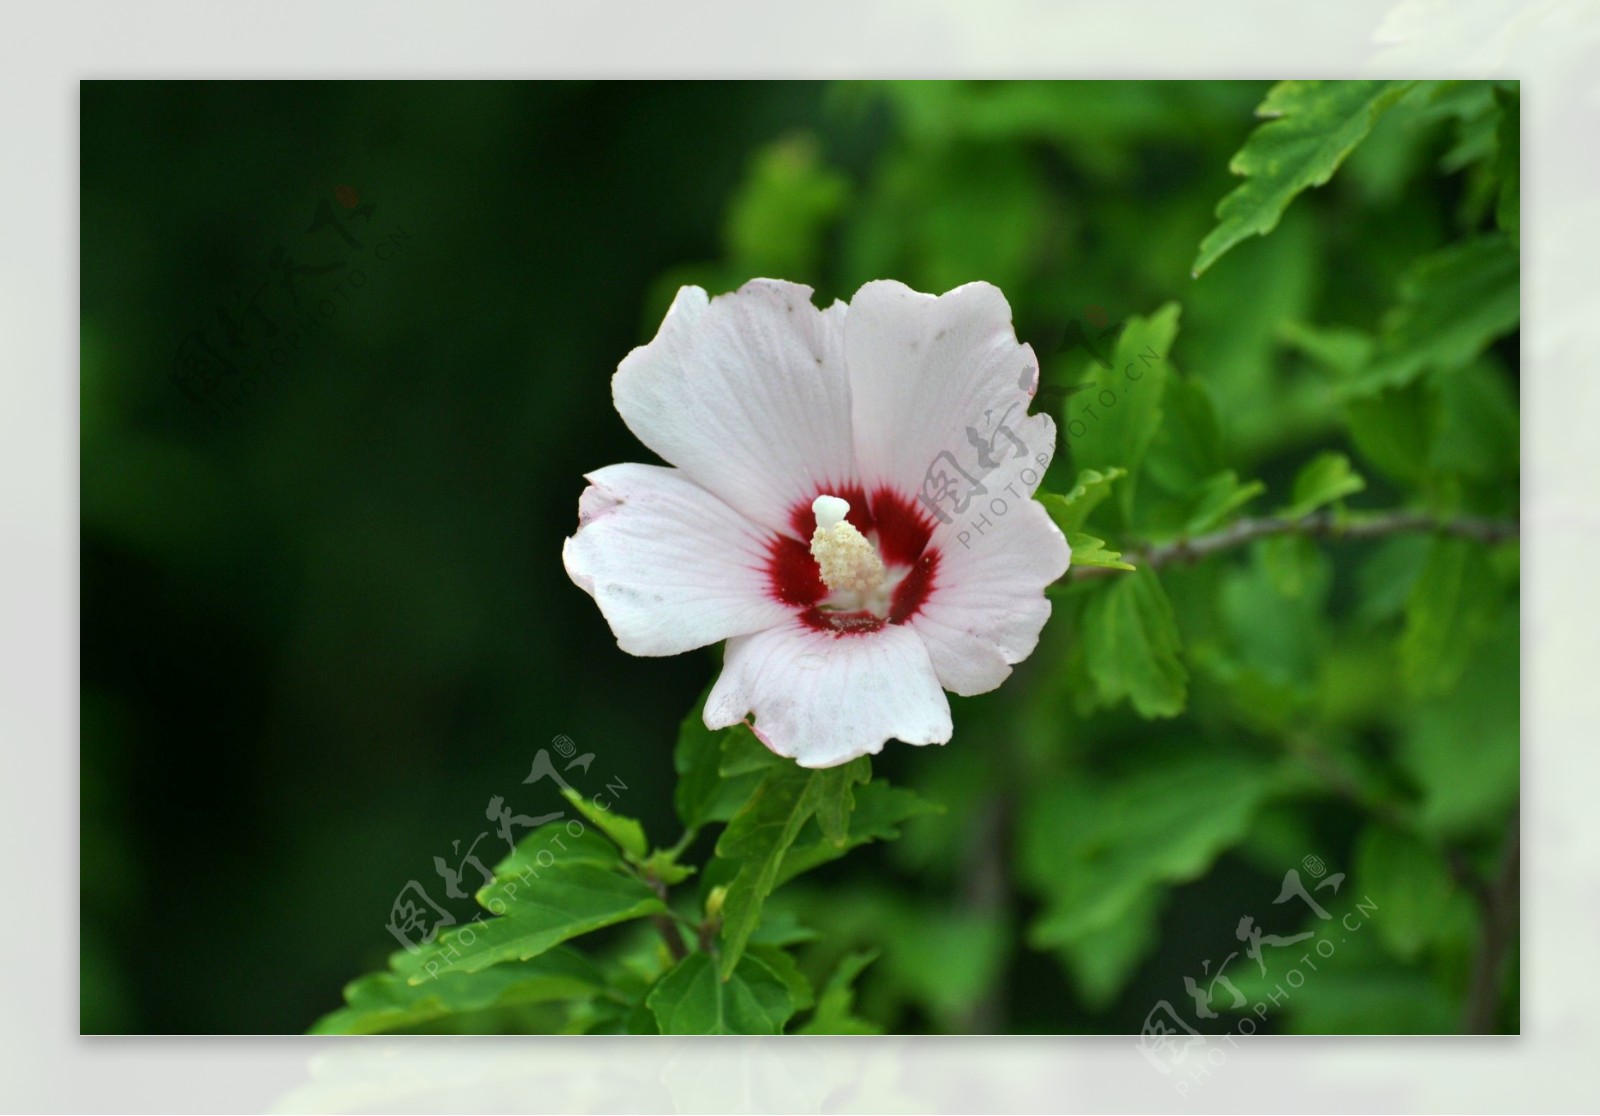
[{"x": 845, "y": 558}]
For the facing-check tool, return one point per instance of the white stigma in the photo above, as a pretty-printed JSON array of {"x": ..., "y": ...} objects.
[{"x": 845, "y": 558}]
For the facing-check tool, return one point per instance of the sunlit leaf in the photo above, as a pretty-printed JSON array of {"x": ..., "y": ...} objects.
[{"x": 1313, "y": 126}]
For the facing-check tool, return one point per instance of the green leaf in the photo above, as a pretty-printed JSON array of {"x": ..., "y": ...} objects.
[
  {"x": 1187, "y": 449},
  {"x": 835, "y": 798},
  {"x": 1409, "y": 883},
  {"x": 1326, "y": 478},
  {"x": 693, "y": 1000},
  {"x": 550, "y": 904},
  {"x": 1508, "y": 161},
  {"x": 1105, "y": 438},
  {"x": 1071, "y": 510},
  {"x": 785, "y": 968},
  {"x": 1452, "y": 305},
  {"x": 386, "y": 1002},
  {"x": 1464, "y": 749},
  {"x": 879, "y": 811},
  {"x": 1453, "y": 606},
  {"x": 777, "y": 220},
  {"x": 1342, "y": 351},
  {"x": 1395, "y": 431},
  {"x": 1101, "y": 960},
  {"x": 1131, "y": 646},
  {"x": 1094, "y": 846},
  {"x": 1316, "y": 124},
  {"x": 1218, "y": 498},
  {"x": 835, "y": 1014},
  {"x": 626, "y": 832},
  {"x": 1090, "y": 551},
  {"x": 757, "y": 838},
  {"x": 716, "y": 770}
]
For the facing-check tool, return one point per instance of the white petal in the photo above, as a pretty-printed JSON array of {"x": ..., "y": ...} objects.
[
  {"x": 988, "y": 604},
  {"x": 747, "y": 393},
  {"x": 671, "y": 566},
  {"x": 936, "y": 385},
  {"x": 824, "y": 699}
]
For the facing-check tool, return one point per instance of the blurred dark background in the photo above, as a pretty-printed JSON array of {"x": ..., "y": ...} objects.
[
  {"x": 325, "y": 616},
  {"x": 346, "y": 352}
]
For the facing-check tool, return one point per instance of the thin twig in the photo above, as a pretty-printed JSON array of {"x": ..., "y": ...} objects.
[
  {"x": 1325, "y": 524},
  {"x": 1500, "y": 903}
]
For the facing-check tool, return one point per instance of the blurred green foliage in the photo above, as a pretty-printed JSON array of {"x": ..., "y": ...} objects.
[{"x": 322, "y": 624}]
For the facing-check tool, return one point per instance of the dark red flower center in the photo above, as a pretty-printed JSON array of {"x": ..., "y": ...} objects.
[{"x": 897, "y": 526}]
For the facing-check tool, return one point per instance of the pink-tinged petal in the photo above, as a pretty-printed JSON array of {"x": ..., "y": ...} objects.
[
  {"x": 940, "y": 389},
  {"x": 671, "y": 566},
  {"x": 824, "y": 698},
  {"x": 748, "y": 394},
  {"x": 989, "y": 607}
]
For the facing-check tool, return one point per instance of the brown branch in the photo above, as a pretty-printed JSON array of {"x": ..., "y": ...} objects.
[
  {"x": 1501, "y": 906},
  {"x": 1319, "y": 525}
]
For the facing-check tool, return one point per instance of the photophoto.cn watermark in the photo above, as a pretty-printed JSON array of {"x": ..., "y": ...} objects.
[
  {"x": 416, "y": 918},
  {"x": 961, "y": 482},
  {"x": 1188, "y": 1055},
  {"x": 251, "y": 339}
]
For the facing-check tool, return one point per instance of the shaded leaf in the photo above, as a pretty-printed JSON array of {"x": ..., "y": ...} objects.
[
  {"x": 1131, "y": 646},
  {"x": 1452, "y": 305},
  {"x": 1453, "y": 604},
  {"x": 1410, "y": 884},
  {"x": 693, "y": 1000}
]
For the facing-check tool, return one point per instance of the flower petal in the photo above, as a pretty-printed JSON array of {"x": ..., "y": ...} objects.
[
  {"x": 748, "y": 394},
  {"x": 671, "y": 566},
  {"x": 989, "y": 606},
  {"x": 824, "y": 699},
  {"x": 940, "y": 388}
]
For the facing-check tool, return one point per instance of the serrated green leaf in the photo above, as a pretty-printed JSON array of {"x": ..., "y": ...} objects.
[
  {"x": 879, "y": 811},
  {"x": 1104, "y": 438},
  {"x": 835, "y": 797},
  {"x": 1409, "y": 883},
  {"x": 757, "y": 838},
  {"x": 693, "y": 1000},
  {"x": 546, "y": 905},
  {"x": 1453, "y": 304},
  {"x": 1452, "y": 607},
  {"x": 1071, "y": 509},
  {"x": 626, "y": 832},
  {"x": 386, "y": 1002},
  {"x": 835, "y": 1014},
  {"x": 1317, "y": 124},
  {"x": 1090, "y": 551},
  {"x": 1325, "y": 478},
  {"x": 1131, "y": 646}
]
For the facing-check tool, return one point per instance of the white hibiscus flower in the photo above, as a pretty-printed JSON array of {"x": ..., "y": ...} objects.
[{"x": 849, "y": 509}]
